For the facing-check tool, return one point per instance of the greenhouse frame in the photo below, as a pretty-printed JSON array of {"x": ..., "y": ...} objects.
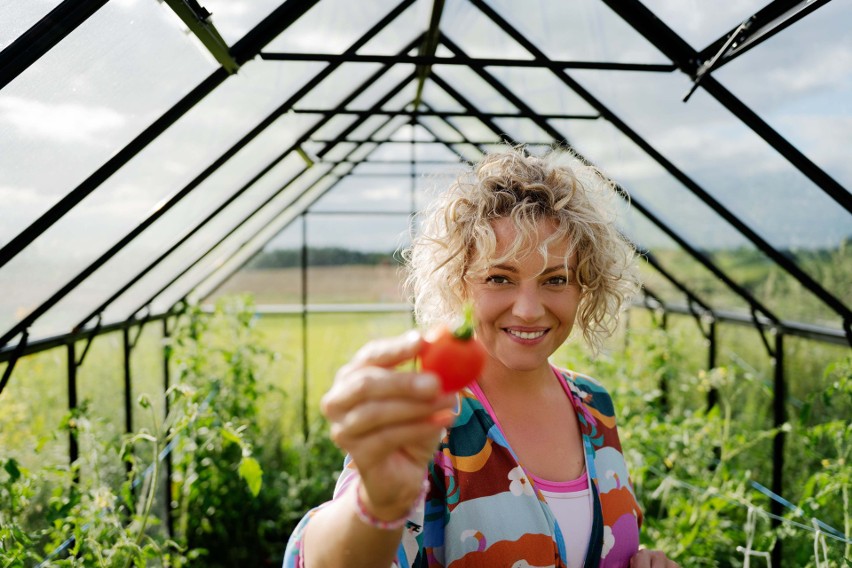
[{"x": 152, "y": 151}]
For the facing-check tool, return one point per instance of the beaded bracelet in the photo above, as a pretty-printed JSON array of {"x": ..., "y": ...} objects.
[{"x": 368, "y": 519}]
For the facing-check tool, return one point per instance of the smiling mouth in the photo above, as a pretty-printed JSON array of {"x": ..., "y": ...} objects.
[{"x": 526, "y": 334}]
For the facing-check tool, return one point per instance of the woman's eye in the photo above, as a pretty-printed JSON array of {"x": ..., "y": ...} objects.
[
  {"x": 557, "y": 281},
  {"x": 496, "y": 279}
]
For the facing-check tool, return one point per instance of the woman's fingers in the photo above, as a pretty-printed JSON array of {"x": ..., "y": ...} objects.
[
  {"x": 401, "y": 439},
  {"x": 370, "y": 383},
  {"x": 376, "y": 414}
]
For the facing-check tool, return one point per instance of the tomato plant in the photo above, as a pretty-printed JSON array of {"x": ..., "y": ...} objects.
[{"x": 456, "y": 356}]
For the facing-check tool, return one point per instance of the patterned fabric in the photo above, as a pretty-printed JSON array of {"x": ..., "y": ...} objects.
[{"x": 482, "y": 509}]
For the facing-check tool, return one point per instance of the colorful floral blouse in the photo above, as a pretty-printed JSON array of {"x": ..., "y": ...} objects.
[{"x": 483, "y": 511}]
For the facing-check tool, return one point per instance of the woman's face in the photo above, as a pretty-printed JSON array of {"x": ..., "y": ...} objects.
[{"x": 524, "y": 313}]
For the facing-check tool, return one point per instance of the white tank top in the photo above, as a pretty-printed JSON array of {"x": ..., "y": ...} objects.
[{"x": 570, "y": 501}]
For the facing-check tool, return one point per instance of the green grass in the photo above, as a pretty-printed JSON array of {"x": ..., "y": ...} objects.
[{"x": 678, "y": 441}]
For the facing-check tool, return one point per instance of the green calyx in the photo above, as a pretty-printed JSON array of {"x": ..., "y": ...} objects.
[{"x": 465, "y": 329}]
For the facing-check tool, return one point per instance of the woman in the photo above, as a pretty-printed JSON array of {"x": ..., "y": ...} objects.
[{"x": 523, "y": 468}]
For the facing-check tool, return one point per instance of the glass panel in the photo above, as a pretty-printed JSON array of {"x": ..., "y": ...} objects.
[
  {"x": 472, "y": 128},
  {"x": 339, "y": 152},
  {"x": 423, "y": 151},
  {"x": 409, "y": 132},
  {"x": 368, "y": 127},
  {"x": 133, "y": 193},
  {"x": 81, "y": 102},
  {"x": 522, "y": 129},
  {"x": 352, "y": 258},
  {"x": 381, "y": 87},
  {"x": 364, "y": 193},
  {"x": 36, "y": 395},
  {"x": 248, "y": 239},
  {"x": 401, "y": 32},
  {"x": 677, "y": 262},
  {"x": 199, "y": 246},
  {"x": 18, "y": 17},
  {"x": 438, "y": 99},
  {"x": 234, "y": 18},
  {"x": 332, "y": 127},
  {"x": 805, "y": 87},
  {"x": 702, "y": 23},
  {"x": 473, "y": 88},
  {"x": 475, "y": 34},
  {"x": 124, "y": 268},
  {"x": 273, "y": 275},
  {"x": 338, "y": 85},
  {"x": 331, "y": 26},
  {"x": 594, "y": 31},
  {"x": 541, "y": 90},
  {"x": 730, "y": 162},
  {"x": 439, "y": 128},
  {"x": 653, "y": 188}
]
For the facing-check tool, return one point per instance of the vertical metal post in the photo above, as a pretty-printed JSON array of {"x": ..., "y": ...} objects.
[
  {"x": 779, "y": 418},
  {"x": 73, "y": 449},
  {"x": 167, "y": 352},
  {"x": 413, "y": 195},
  {"x": 712, "y": 394},
  {"x": 663, "y": 384},
  {"x": 128, "y": 389},
  {"x": 304, "y": 268}
]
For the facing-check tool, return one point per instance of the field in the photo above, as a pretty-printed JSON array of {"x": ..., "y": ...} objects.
[{"x": 693, "y": 469}]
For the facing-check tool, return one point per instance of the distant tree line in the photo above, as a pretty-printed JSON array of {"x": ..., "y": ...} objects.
[{"x": 319, "y": 256}]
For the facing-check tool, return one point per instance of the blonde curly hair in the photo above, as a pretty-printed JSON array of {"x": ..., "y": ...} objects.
[{"x": 456, "y": 235}]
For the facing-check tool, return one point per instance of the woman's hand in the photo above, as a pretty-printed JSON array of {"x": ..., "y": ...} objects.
[
  {"x": 389, "y": 421},
  {"x": 652, "y": 559}
]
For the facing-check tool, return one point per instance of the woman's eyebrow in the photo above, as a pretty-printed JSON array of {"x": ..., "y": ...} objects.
[{"x": 557, "y": 268}]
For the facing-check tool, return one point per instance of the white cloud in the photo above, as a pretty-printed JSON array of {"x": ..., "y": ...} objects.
[
  {"x": 19, "y": 196},
  {"x": 63, "y": 122}
]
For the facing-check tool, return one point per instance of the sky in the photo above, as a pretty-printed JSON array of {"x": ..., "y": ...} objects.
[{"x": 117, "y": 73}]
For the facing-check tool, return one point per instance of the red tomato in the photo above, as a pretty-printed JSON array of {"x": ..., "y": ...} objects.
[{"x": 456, "y": 360}]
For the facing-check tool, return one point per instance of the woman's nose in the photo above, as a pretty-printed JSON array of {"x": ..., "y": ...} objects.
[{"x": 528, "y": 305}]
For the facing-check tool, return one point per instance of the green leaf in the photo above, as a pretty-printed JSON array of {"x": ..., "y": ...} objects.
[
  {"x": 11, "y": 468},
  {"x": 251, "y": 471},
  {"x": 231, "y": 436}
]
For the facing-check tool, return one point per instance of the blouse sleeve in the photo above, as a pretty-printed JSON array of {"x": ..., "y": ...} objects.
[{"x": 408, "y": 549}]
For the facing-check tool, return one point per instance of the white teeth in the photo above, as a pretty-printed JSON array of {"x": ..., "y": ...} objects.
[{"x": 526, "y": 334}]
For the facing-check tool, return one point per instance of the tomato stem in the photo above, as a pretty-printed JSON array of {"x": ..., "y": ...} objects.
[{"x": 464, "y": 330}]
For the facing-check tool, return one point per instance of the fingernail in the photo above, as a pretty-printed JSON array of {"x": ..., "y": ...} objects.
[
  {"x": 411, "y": 336},
  {"x": 425, "y": 383}
]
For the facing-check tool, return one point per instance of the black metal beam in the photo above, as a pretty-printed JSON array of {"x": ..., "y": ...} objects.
[
  {"x": 402, "y": 84},
  {"x": 445, "y": 113},
  {"x": 243, "y": 50},
  {"x": 427, "y": 49},
  {"x": 474, "y": 62},
  {"x": 43, "y": 223},
  {"x": 436, "y": 141},
  {"x": 269, "y": 28},
  {"x": 700, "y": 257},
  {"x": 43, "y": 35},
  {"x": 7, "y": 352},
  {"x": 286, "y": 106},
  {"x": 687, "y": 59},
  {"x": 790, "y": 267},
  {"x": 771, "y": 19},
  {"x": 177, "y": 197}
]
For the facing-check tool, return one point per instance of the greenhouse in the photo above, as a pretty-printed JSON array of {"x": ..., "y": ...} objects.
[{"x": 205, "y": 205}]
